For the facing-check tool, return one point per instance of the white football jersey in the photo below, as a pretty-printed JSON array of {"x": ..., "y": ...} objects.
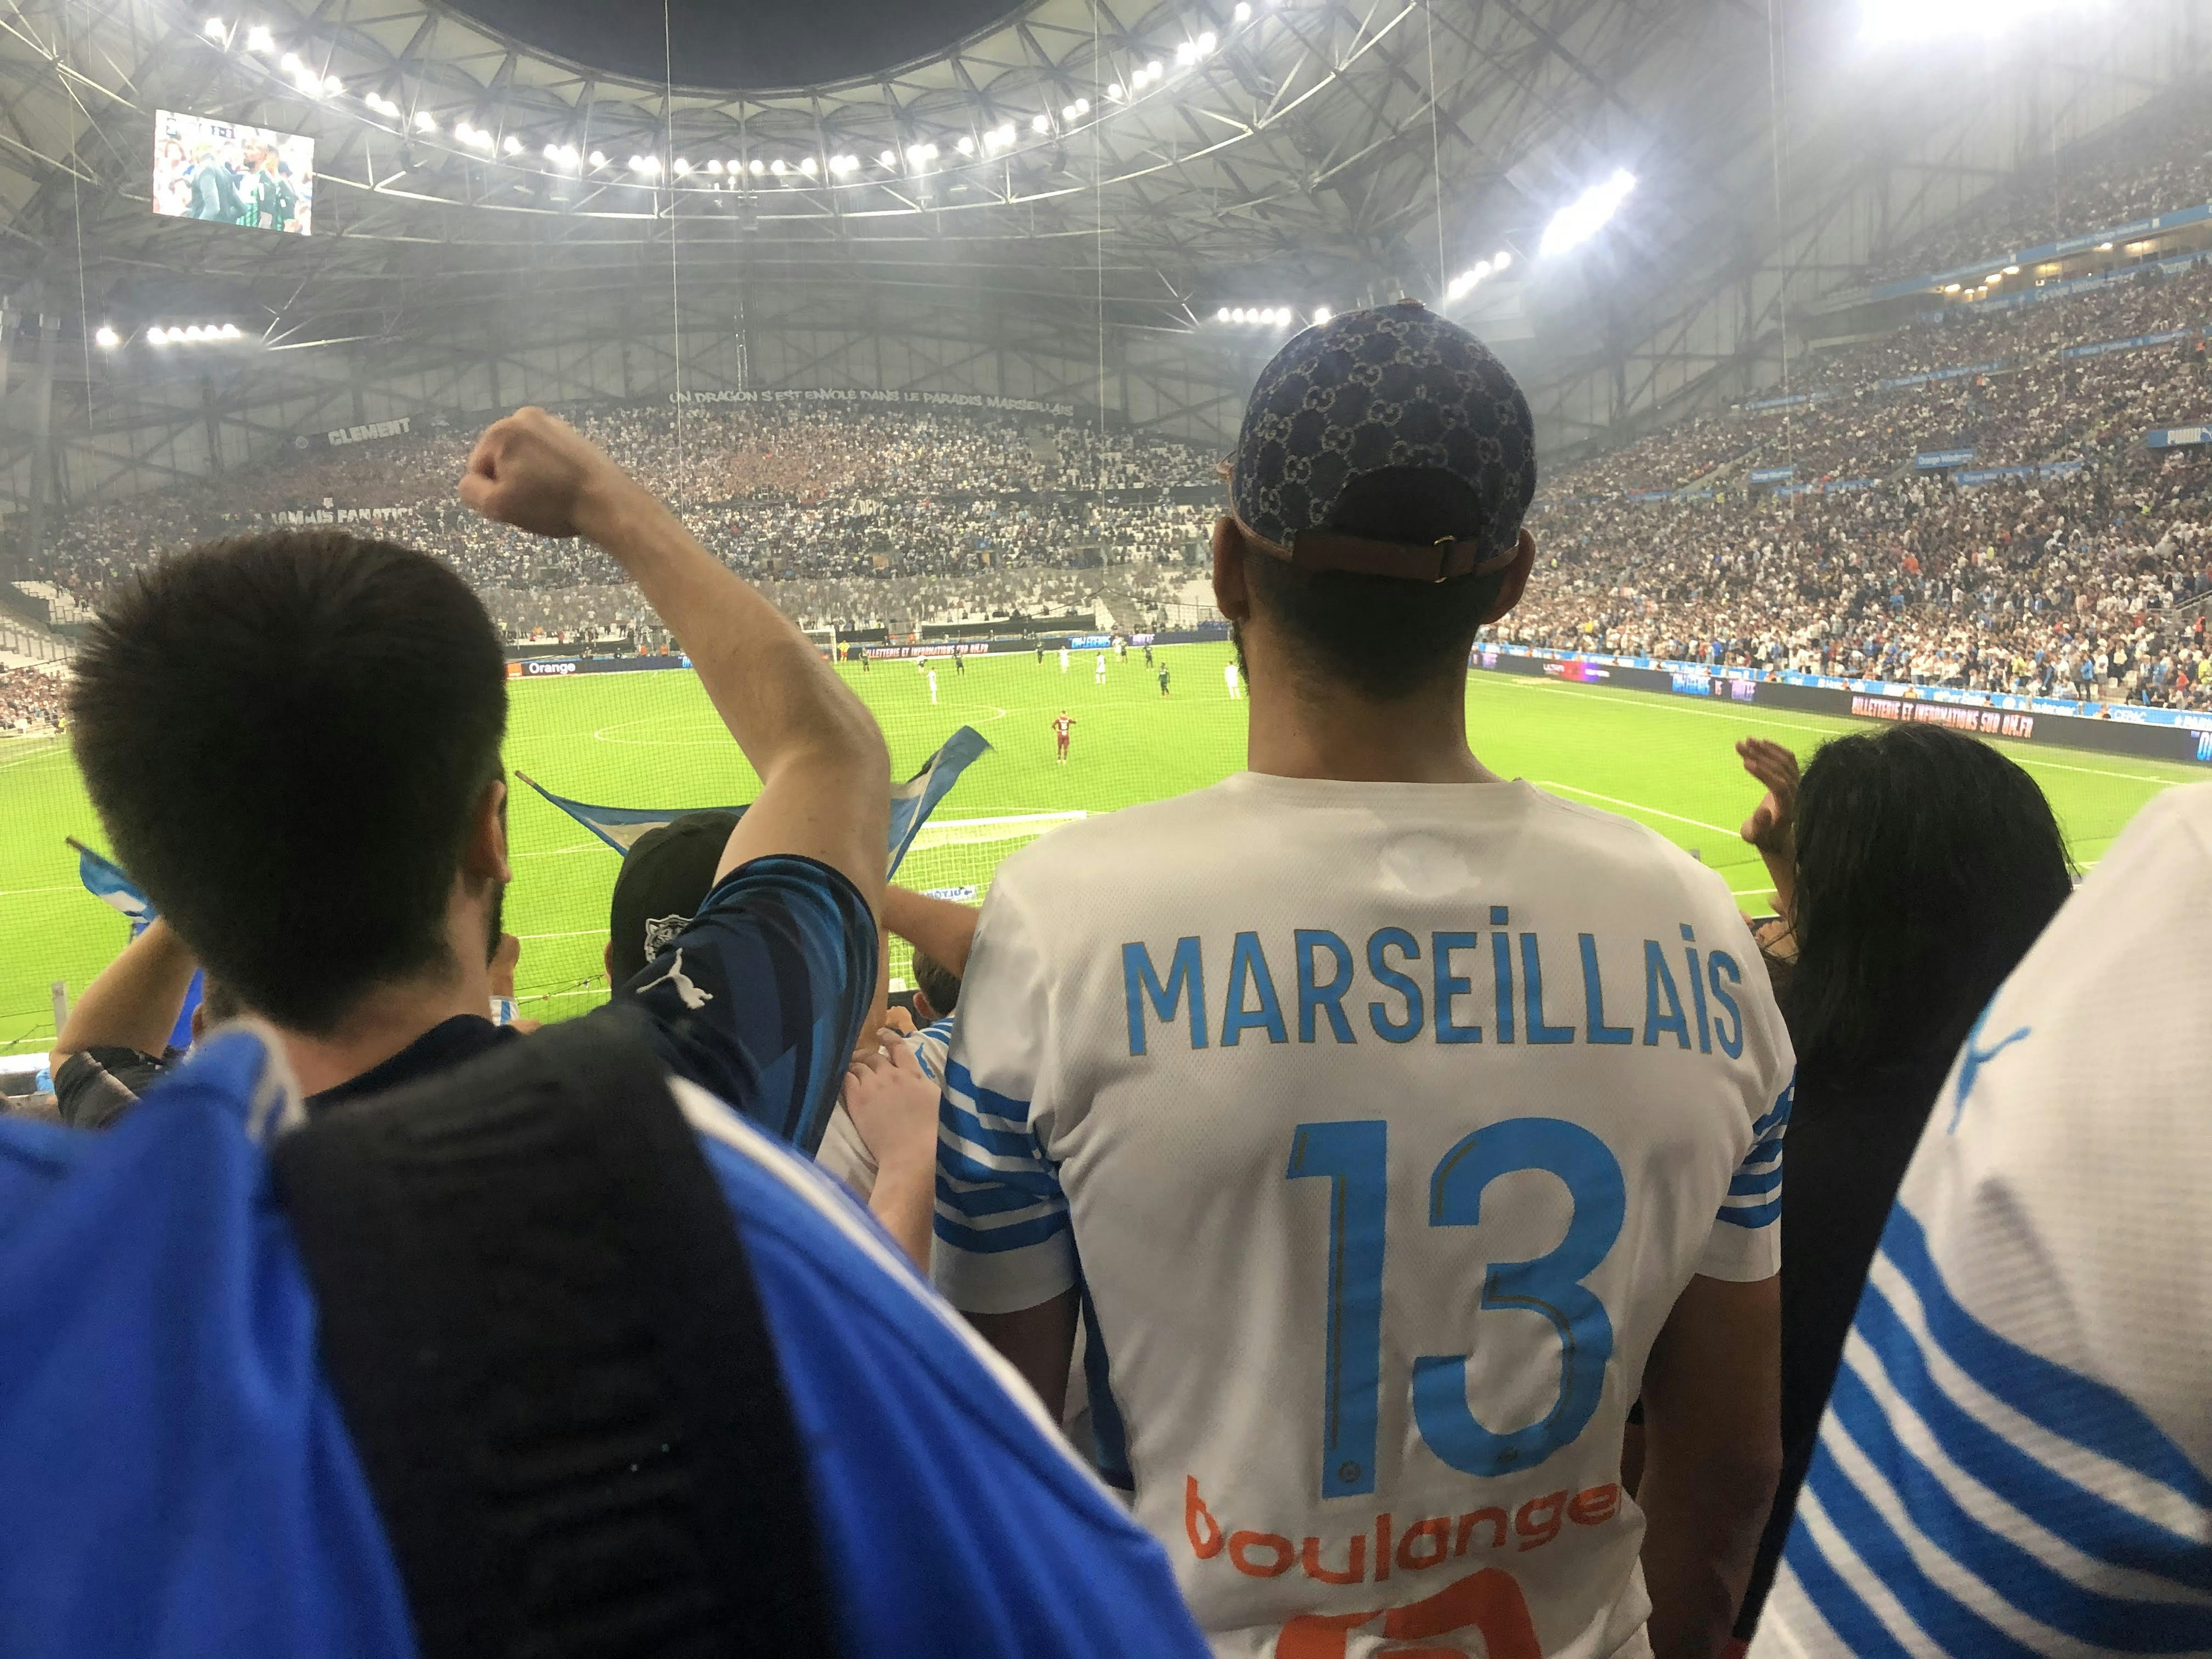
[
  {"x": 1380, "y": 1126},
  {"x": 2017, "y": 1456}
]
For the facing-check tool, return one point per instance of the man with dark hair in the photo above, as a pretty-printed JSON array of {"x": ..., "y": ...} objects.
[
  {"x": 544, "y": 1347},
  {"x": 296, "y": 725},
  {"x": 1427, "y": 1119}
]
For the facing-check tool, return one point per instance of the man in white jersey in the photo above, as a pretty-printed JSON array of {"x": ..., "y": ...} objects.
[
  {"x": 1391, "y": 1127},
  {"x": 1098, "y": 672},
  {"x": 2017, "y": 1456},
  {"x": 1229, "y": 678},
  {"x": 1063, "y": 659}
]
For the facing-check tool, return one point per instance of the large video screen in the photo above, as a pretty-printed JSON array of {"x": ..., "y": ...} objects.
[{"x": 233, "y": 174}]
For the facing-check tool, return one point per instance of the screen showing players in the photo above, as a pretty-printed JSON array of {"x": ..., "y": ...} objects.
[{"x": 232, "y": 174}]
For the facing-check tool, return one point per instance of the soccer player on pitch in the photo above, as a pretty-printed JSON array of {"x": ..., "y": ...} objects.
[
  {"x": 1429, "y": 1120},
  {"x": 1061, "y": 727}
]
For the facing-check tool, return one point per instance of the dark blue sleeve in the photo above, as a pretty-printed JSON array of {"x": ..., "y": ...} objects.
[{"x": 760, "y": 1000}]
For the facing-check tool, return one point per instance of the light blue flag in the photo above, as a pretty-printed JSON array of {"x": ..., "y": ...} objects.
[
  {"x": 107, "y": 883},
  {"x": 621, "y": 827},
  {"x": 912, "y": 802}
]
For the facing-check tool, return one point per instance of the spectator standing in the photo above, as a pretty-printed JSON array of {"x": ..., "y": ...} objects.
[
  {"x": 1914, "y": 866},
  {"x": 1237, "y": 1075},
  {"x": 2016, "y": 1457}
]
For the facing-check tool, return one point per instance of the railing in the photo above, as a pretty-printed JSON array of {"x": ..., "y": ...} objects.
[{"x": 22, "y": 641}]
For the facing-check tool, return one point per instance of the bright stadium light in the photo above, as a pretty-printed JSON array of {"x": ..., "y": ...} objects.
[
  {"x": 807, "y": 165},
  {"x": 215, "y": 28},
  {"x": 425, "y": 122},
  {"x": 714, "y": 165},
  {"x": 257, "y": 39},
  {"x": 1950, "y": 288},
  {"x": 1039, "y": 124},
  {"x": 776, "y": 167},
  {"x": 1116, "y": 92},
  {"x": 1206, "y": 42},
  {"x": 231, "y": 332},
  {"x": 598, "y": 158},
  {"x": 157, "y": 335},
  {"x": 683, "y": 167},
  {"x": 1083, "y": 106},
  {"x": 1152, "y": 70},
  {"x": 1502, "y": 260},
  {"x": 291, "y": 63},
  {"x": 1186, "y": 55},
  {"x": 2012, "y": 270},
  {"x": 888, "y": 159},
  {"x": 513, "y": 145},
  {"x": 1222, "y": 315},
  {"x": 759, "y": 167},
  {"x": 1321, "y": 313},
  {"x": 1243, "y": 14},
  {"x": 1582, "y": 218},
  {"x": 107, "y": 339}
]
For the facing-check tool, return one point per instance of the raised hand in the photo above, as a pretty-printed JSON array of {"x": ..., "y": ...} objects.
[
  {"x": 537, "y": 472},
  {"x": 1771, "y": 763}
]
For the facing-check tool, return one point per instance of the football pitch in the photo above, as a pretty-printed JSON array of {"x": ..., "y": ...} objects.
[{"x": 653, "y": 740}]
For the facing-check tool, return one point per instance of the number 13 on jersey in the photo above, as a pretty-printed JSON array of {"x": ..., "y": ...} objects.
[{"x": 1353, "y": 1158}]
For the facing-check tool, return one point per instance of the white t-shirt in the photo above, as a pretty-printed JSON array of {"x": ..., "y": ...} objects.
[
  {"x": 1381, "y": 1125},
  {"x": 842, "y": 1152},
  {"x": 2017, "y": 1456},
  {"x": 1229, "y": 675}
]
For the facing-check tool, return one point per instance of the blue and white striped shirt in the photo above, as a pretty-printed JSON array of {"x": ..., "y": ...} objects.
[{"x": 2017, "y": 1456}]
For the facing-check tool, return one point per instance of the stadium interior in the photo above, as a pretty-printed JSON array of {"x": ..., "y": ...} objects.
[{"x": 1868, "y": 346}]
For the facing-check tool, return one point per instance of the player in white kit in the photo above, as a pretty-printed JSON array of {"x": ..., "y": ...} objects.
[
  {"x": 1098, "y": 673},
  {"x": 1229, "y": 678},
  {"x": 1389, "y": 1127},
  {"x": 1063, "y": 659}
]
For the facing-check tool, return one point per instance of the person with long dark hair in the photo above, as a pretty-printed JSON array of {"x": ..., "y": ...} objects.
[{"x": 1913, "y": 868}]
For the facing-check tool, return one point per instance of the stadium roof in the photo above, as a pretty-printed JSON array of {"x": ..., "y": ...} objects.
[{"x": 1030, "y": 210}]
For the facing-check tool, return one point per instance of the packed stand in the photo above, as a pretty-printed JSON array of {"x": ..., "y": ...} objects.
[{"x": 31, "y": 701}]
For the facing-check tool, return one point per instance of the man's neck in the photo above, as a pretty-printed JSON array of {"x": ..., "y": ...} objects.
[
  {"x": 1421, "y": 739},
  {"x": 378, "y": 1027}
]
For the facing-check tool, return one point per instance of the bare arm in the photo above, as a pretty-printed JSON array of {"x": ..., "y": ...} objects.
[
  {"x": 1712, "y": 1427},
  {"x": 134, "y": 1002},
  {"x": 940, "y": 928},
  {"x": 1770, "y": 829},
  {"x": 1038, "y": 1342},
  {"x": 825, "y": 775}
]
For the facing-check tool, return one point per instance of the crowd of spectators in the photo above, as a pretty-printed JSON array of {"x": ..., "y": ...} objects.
[
  {"x": 2155, "y": 161},
  {"x": 852, "y": 519},
  {"x": 31, "y": 700}
]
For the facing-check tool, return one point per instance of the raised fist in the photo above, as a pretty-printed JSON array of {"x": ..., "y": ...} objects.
[{"x": 537, "y": 472}]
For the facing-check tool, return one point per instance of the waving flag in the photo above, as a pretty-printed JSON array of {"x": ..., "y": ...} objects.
[
  {"x": 912, "y": 802},
  {"x": 621, "y": 827},
  {"x": 107, "y": 883}
]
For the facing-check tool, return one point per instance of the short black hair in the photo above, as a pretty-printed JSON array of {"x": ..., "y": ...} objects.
[
  {"x": 937, "y": 982},
  {"x": 1379, "y": 637},
  {"x": 285, "y": 735},
  {"x": 1928, "y": 863}
]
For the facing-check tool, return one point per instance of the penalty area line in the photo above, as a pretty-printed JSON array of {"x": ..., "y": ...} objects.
[{"x": 1635, "y": 806}]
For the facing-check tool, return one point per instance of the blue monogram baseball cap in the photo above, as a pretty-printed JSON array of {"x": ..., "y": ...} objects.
[{"x": 1396, "y": 386}]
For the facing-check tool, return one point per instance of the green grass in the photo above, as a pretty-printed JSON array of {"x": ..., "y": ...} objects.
[{"x": 654, "y": 741}]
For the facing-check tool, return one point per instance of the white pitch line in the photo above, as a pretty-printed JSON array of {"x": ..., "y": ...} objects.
[
  {"x": 24, "y": 892},
  {"x": 582, "y": 932},
  {"x": 1635, "y": 806}
]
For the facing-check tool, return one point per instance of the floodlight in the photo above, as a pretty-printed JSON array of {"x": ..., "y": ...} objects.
[
  {"x": 194, "y": 331},
  {"x": 1582, "y": 218},
  {"x": 1067, "y": 111},
  {"x": 888, "y": 159},
  {"x": 231, "y": 331},
  {"x": 1152, "y": 70},
  {"x": 966, "y": 146},
  {"x": 1186, "y": 55},
  {"x": 1950, "y": 288},
  {"x": 1321, "y": 313},
  {"x": 1243, "y": 14},
  {"x": 257, "y": 39},
  {"x": 598, "y": 158},
  {"x": 2012, "y": 270},
  {"x": 425, "y": 122},
  {"x": 513, "y": 145},
  {"x": 215, "y": 28},
  {"x": 107, "y": 338},
  {"x": 1038, "y": 124},
  {"x": 1222, "y": 315},
  {"x": 1083, "y": 106},
  {"x": 157, "y": 335},
  {"x": 291, "y": 63},
  {"x": 776, "y": 167},
  {"x": 2104, "y": 247},
  {"x": 1116, "y": 92},
  {"x": 1206, "y": 42},
  {"x": 332, "y": 85},
  {"x": 1499, "y": 264},
  {"x": 807, "y": 165},
  {"x": 683, "y": 167},
  {"x": 714, "y": 166},
  {"x": 760, "y": 167}
]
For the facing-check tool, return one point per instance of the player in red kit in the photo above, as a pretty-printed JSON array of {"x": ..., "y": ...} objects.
[{"x": 1061, "y": 726}]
